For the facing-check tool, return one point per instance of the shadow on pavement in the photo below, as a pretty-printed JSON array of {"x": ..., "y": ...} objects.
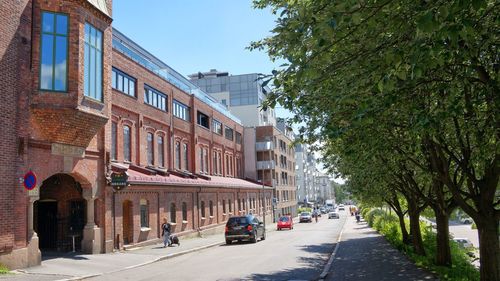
[
  {"x": 372, "y": 258},
  {"x": 310, "y": 267}
]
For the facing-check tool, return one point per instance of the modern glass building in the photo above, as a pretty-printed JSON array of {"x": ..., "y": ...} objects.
[{"x": 242, "y": 94}]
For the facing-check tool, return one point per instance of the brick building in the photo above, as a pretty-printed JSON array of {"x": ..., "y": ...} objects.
[{"x": 81, "y": 103}]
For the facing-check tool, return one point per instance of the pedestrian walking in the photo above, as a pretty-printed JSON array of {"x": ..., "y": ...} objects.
[{"x": 165, "y": 232}]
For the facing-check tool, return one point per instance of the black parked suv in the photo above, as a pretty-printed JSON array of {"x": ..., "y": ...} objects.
[{"x": 244, "y": 228}]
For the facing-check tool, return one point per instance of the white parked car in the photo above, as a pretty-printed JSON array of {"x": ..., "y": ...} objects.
[{"x": 464, "y": 242}]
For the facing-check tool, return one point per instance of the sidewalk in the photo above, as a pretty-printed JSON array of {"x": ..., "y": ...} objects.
[
  {"x": 80, "y": 266},
  {"x": 363, "y": 254}
]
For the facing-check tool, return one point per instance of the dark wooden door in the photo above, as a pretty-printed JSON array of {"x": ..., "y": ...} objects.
[{"x": 47, "y": 225}]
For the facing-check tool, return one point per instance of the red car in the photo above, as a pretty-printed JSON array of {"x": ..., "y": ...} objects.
[{"x": 285, "y": 222}]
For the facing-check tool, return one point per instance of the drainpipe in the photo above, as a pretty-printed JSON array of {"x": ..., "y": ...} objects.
[{"x": 198, "y": 228}]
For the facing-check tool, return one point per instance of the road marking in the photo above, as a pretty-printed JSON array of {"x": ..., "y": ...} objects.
[{"x": 328, "y": 265}]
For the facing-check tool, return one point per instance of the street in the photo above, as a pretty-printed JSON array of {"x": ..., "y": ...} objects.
[{"x": 299, "y": 254}]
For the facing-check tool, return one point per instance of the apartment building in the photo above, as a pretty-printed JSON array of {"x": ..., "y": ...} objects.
[
  {"x": 275, "y": 166},
  {"x": 305, "y": 174}
]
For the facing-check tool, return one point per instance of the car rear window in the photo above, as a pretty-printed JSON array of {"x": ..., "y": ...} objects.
[
  {"x": 284, "y": 219},
  {"x": 305, "y": 214},
  {"x": 237, "y": 221}
]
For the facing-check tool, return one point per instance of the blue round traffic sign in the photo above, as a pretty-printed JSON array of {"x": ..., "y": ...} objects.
[{"x": 29, "y": 180}]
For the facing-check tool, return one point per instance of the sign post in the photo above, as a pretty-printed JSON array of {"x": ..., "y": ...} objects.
[
  {"x": 119, "y": 181},
  {"x": 29, "y": 180}
]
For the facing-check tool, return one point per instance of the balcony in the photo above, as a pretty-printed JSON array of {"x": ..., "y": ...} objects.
[
  {"x": 265, "y": 165},
  {"x": 264, "y": 146}
]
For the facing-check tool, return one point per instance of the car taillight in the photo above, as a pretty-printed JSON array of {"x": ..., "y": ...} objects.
[
  {"x": 227, "y": 229},
  {"x": 249, "y": 227}
]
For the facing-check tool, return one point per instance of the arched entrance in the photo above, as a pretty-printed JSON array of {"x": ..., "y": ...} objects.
[
  {"x": 128, "y": 222},
  {"x": 60, "y": 214}
]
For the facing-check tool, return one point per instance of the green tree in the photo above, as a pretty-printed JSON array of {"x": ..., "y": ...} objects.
[{"x": 428, "y": 68}]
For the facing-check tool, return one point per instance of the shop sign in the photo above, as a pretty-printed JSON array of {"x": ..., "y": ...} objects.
[{"x": 119, "y": 180}]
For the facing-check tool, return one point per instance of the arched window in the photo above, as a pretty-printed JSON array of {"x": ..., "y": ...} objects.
[
  {"x": 150, "y": 149},
  {"x": 230, "y": 206},
  {"x": 211, "y": 208},
  {"x": 202, "y": 207},
  {"x": 144, "y": 213},
  {"x": 178, "y": 155},
  {"x": 224, "y": 206},
  {"x": 114, "y": 131},
  {"x": 161, "y": 152},
  {"x": 185, "y": 150},
  {"x": 127, "y": 139},
  {"x": 184, "y": 211},
  {"x": 239, "y": 204},
  {"x": 173, "y": 212}
]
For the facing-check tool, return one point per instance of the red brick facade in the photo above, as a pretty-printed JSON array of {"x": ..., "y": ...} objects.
[{"x": 65, "y": 138}]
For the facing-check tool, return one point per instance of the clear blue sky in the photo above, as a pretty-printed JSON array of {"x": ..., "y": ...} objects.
[{"x": 197, "y": 35}]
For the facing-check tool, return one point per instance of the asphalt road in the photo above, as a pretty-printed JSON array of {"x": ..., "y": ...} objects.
[{"x": 299, "y": 254}]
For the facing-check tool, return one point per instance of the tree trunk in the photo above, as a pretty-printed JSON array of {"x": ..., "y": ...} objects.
[
  {"x": 443, "y": 254},
  {"x": 416, "y": 235},
  {"x": 404, "y": 231},
  {"x": 489, "y": 249}
]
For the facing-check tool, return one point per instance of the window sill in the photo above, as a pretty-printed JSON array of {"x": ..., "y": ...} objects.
[
  {"x": 125, "y": 94},
  {"x": 203, "y": 218},
  {"x": 47, "y": 91},
  {"x": 92, "y": 100},
  {"x": 173, "y": 224},
  {"x": 145, "y": 229},
  {"x": 211, "y": 217},
  {"x": 224, "y": 214},
  {"x": 188, "y": 121},
  {"x": 184, "y": 222},
  {"x": 201, "y": 126}
]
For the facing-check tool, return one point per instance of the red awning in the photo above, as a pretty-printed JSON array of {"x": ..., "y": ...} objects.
[{"x": 136, "y": 177}]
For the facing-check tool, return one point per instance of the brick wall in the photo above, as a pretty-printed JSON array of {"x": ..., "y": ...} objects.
[
  {"x": 143, "y": 118},
  {"x": 10, "y": 41}
]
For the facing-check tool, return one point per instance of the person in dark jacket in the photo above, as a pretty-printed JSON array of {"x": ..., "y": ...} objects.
[{"x": 165, "y": 232}]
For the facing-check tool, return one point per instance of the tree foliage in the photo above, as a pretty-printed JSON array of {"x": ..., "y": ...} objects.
[{"x": 402, "y": 93}]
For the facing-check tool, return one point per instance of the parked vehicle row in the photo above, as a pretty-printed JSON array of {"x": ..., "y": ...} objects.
[{"x": 250, "y": 228}]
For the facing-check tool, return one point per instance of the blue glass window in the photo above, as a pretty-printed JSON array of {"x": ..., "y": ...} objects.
[
  {"x": 181, "y": 111},
  {"x": 54, "y": 52},
  {"x": 123, "y": 82},
  {"x": 155, "y": 98},
  {"x": 93, "y": 63}
]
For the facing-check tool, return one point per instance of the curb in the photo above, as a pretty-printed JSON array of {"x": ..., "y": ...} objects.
[
  {"x": 329, "y": 264},
  {"x": 162, "y": 258}
]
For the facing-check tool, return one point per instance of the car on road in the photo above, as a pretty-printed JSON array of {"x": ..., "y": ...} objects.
[
  {"x": 466, "y": 220},
  {"x": 333, "y": 215},
  {"x": 464, "y": 243},
  {"x": 285, "y": 222},
  {"x": 244, "y": 228},
  {"x": 305, "y": 217},
  {"x": 341, "y": 207},
  {"x": 322, "y": 210}
]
